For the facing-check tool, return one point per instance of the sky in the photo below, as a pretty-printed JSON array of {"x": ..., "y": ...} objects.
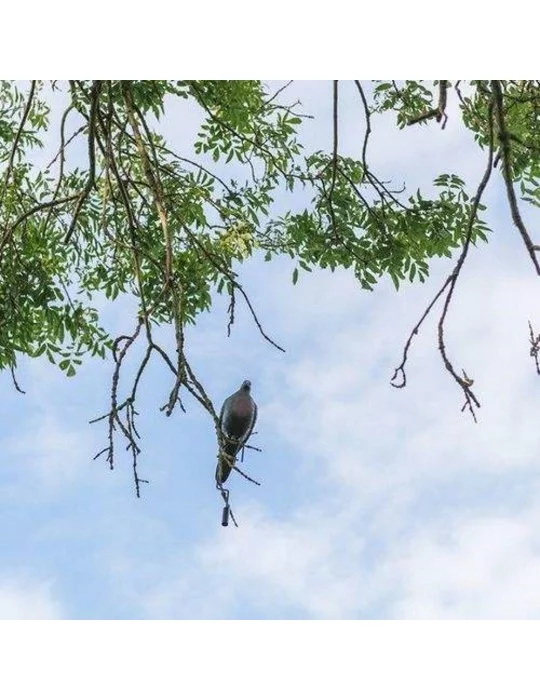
[{"x": 375, "y": 503}]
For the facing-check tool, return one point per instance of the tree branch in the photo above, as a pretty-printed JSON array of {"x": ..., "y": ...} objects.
[
  {"x": 506, "y": 150},
  {"x": 464, "y": 381}
]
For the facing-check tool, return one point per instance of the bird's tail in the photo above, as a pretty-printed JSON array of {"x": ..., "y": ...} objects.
[{"x": 226, "y": 461}]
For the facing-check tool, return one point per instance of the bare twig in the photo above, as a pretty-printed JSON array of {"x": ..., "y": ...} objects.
[
  {"x": 15, "y": 383},
  {"x": 231, "y": 311},
  {"x": 127, "y": 427},
  {"x": 400, "y": 371},
  {"x": 235, "y": 284},
  {"x": 535, "y": 347},
  {"x": 464, "y": 381},
  {"x": 237, "y": 468},
  {"x": 278, "y": 92}
]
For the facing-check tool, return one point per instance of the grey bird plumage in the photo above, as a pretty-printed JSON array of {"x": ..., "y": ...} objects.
[{"x": 237, "y": 420}]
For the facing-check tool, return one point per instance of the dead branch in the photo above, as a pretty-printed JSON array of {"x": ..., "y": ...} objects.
[
  {"x": 535, "y": 347},
  {"x": 400, "y": 370},
  {"x": 449, "y": 285}
]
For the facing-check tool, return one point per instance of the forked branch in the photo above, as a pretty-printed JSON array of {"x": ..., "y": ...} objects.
[{"x": 399, "y": 378}]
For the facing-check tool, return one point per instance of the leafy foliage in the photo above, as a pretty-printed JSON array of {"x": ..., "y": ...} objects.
[
  {"x": 69, "y": 233},
  {"x": 165, "y": 227}
]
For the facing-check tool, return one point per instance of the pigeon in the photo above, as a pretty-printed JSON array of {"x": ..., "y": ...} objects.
[{"x": 237, "y": 420}]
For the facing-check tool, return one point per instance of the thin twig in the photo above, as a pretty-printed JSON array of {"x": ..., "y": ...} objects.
[
  {"x": 334, "y": 156},
  {"x": 368, "y": 127},
  {"x": 67, "y": 142},
  {"x": 401, "y": 369},
  {"x": 231, "y": 312},
  {"x": 278, "y": 92},
  {"x": 237, "y": 468},
  {"x": 15, "y": 383},
  {"x": 449, "y": 285},
  {"x": 464, "y": 382},
  {"x": 535, "y": 347}
]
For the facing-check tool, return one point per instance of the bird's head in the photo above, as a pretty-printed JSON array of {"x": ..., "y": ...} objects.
[{"x": 246, "y": 385}]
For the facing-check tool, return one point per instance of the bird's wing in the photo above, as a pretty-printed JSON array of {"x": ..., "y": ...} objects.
[
  {"x": 248, "y": 432},
  {"x": 221, "y": 418},
  {"x": 227, "y": 454},
  {"x": 225, "y": 408}
]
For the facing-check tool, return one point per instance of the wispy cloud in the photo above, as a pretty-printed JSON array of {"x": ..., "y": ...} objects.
[
  {"x": 410, "y": 509},
  {"x": 379, "y": 502},
  {"x": 479, "y": 567},
  {"x": 376, "y": 502},
  {"x": 21, "y": 599},
  {"x": 50, "y": 442}
]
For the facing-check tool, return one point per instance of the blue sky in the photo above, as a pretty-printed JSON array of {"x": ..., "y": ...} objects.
[{"x": 375, "y": 503}]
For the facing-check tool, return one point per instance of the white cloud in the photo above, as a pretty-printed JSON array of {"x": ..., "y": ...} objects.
[
  {"x": 289, "y": 564},
  {"x": 51, "y": 443},
  {"x": 412, "y": 511},
  {"x": 22, "y": 600},
  {"x": 407, "y": 508},
  {"x": 481, "y": 568},
  {"x": 50, "y": 452},
  {"x": 270, "y": 565}
]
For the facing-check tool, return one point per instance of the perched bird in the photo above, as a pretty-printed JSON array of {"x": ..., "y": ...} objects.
[{"x": 237, "y": 420}]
